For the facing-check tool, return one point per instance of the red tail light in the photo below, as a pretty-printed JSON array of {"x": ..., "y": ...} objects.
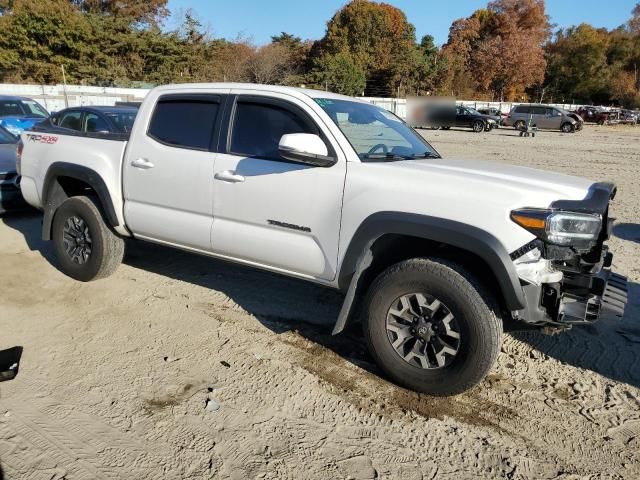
[{"x": 19, "y": 149}]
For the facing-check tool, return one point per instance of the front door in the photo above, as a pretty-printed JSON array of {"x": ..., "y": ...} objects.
[
  {"x": 168, "y": 170},
  {"x": 463, "y": 119},
  {"x": 269, "y": 211}
]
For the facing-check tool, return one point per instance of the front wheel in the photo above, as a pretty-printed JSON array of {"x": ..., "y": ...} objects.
[
  {"x": 478, "y": 126},
  {"x": 86, "y": 247},
  {"x": 431, "y": 327},
  {"x": 568, "y": 127}
]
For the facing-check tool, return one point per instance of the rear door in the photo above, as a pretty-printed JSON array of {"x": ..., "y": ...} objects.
[
  {"x": 267, "y": 210},
  {"x": 169, "y": 167}
]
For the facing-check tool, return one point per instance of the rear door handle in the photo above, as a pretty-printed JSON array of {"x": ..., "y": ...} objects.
[
  {"x": 228, "y": 176},
  {"x": 142, "y": 163}
]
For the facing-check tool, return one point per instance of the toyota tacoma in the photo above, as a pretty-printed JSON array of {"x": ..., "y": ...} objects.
[{"x": 433, "y": 254}]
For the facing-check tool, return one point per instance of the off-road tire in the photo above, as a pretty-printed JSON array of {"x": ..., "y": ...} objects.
[
  {"x": 478, "y": 126},
  {"x": 568, "y": 127},
  {"x": 471, "y": 304},
  {"x": 107, "y": 248}
]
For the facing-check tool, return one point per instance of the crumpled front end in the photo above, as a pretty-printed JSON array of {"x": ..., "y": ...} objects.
[{"x": 567, "y": 284}]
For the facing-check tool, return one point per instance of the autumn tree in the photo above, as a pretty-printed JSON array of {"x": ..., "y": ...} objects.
[
  {"x": 499, "y": 50},
  {"x": 378, "y": 40}
]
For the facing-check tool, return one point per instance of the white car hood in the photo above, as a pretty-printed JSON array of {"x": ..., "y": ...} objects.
[
  {"x": 565, "y": 186},
  {"x": 472, "y": 192}
]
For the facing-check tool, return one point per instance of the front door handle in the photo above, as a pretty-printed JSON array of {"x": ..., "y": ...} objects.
[
  {"x": 142, "y": 163},
  {"x": 228, "y": 176}
]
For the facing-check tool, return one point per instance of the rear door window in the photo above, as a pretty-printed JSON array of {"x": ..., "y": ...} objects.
[
  {"x": 185, "y": 122},
  {"x": 70, "y": 120},
  {"x": 523, "y": 109},
  {"x": 95, "y": 123},
  {"x": 258, "y": 127},
  {"x": 539, "y": 110},
  {"x": 10, "y": 109}
]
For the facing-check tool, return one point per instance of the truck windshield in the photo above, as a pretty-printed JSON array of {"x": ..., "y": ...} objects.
[{"x": 374, "y": 133}]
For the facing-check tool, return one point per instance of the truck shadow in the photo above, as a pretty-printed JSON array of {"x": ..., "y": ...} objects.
[
  {"x": 627, "y": 231},
  {"x": 609, "y": 347},
  {"x": 282, "y": 304}
]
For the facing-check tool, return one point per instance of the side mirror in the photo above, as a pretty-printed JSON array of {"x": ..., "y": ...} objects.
[{"x": 305, "y": 148}]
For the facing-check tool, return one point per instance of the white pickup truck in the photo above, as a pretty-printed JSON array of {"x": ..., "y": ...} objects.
[{"x": 435, "y": 254}]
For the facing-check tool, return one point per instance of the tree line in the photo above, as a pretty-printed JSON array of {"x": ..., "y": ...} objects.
[{"x": 507, "y": 51}]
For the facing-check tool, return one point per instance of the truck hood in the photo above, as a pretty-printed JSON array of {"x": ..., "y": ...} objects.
[
  {"x": 478, "y": 193},
  {"x": 498, "y": 175}
]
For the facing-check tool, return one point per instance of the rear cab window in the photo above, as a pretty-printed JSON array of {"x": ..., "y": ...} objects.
[{"x": 185, "y": 121}]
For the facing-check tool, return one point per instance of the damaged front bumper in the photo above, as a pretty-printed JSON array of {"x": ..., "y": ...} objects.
[
  {"x": 571, "y": 297},
  {"x": 565, "y": 287}
]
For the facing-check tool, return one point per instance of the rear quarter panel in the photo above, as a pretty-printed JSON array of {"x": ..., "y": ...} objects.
[{"x": 102, "y": 156}]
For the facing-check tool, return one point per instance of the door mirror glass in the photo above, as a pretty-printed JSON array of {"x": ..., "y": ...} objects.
[{"x": 305, "y": 148}]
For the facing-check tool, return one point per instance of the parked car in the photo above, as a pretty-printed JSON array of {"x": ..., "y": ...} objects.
[
  {"x": 436, "y": 252},
  {"x": 20, "y": 113},
  {"x": 543, "y": 116},
  {"x": 592, "y": 114},
  {"x": 91, "y": 120},
  {"x": 10, "y": 195},
  {"x": 470, "y": 117},
  {"x": 494, "y": 113}
]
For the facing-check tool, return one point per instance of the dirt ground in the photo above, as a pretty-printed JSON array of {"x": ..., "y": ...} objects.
[{"x": 181, "y": 366}]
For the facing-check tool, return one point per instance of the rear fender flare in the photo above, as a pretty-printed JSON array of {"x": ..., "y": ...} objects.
[{"x": 53, "y": 194}]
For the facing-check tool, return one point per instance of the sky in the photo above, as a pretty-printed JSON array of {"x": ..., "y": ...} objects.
[{"x": 259, "y": 19}]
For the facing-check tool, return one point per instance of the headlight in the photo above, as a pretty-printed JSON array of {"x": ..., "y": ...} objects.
[{"x": 580, "y": 230}]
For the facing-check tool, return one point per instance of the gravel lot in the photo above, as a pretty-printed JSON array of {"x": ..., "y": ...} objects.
[{"x": 181, "y": 366}]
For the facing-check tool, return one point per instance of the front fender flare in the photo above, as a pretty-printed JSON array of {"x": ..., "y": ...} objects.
[{"x": 463, "y": 236}]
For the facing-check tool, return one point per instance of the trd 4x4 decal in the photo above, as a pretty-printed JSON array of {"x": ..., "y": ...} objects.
[{"x": 48, "y": 139}]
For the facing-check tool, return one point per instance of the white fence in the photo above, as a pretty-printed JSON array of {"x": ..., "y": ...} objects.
[
  {"x": 399, "y": 105},
  {"x": 57, "y": 97}
]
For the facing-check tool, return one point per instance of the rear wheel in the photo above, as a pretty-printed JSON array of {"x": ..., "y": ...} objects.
[
  {"x": 478, "y": 126},
  {"x": 431, "y": 327},
  {"x": 568, "y": 127},
  {"x": 519, "y": 125},
  {"x": 86, "y": 247}
]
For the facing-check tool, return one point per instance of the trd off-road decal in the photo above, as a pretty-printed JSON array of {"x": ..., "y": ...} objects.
[{"x": 48, "y": 139}]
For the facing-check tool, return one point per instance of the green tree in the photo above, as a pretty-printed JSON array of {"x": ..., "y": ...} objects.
[
  {"x": 341, "y": 74},
  {"x": 378, "y": 39}
]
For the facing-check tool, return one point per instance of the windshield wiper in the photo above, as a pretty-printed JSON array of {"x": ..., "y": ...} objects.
[
  {"x": 387, "y": 157},
  {"x": 391, "y": 157},
  {"x": 423, "y": 155}
]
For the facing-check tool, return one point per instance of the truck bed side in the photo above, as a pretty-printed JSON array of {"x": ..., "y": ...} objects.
[{"x": 48, "y": 154}]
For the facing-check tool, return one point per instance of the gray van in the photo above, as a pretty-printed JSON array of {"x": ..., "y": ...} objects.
[{"x": 543, "y": 116}]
